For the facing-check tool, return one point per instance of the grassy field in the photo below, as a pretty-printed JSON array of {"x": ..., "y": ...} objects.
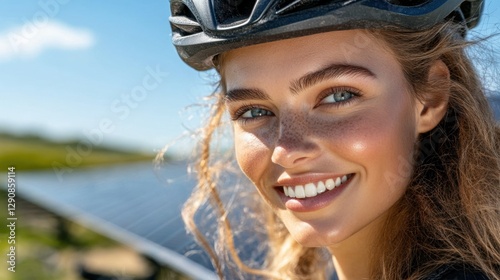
[{"x": 30, "y": 152}]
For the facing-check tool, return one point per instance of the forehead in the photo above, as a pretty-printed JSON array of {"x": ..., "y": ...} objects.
[{"x": 292, "y": 58}]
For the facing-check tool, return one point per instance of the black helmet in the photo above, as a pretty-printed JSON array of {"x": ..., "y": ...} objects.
[{"x": 204, "y": 28}]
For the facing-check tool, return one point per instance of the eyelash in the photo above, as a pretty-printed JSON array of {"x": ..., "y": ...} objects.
[
  {"x": 355, "y": 94},
  {"x": 237, "y": 115}
]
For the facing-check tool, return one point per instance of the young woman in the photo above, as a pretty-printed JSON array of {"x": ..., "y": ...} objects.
[{"x": 365, "y": 130}]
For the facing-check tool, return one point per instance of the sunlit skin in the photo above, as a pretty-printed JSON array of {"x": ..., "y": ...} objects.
[{"x": 289, "y": 131}]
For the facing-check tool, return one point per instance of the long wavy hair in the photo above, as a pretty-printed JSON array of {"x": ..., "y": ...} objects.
[{"x": 450, "y": 213}]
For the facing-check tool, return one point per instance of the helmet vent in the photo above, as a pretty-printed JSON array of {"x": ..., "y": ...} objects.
[
  {"x": 290, "y": 6},
  {"x": 408, "y": 3},
  {"x": 230, "y": 12},
  {"x": 183, "y": 20}
]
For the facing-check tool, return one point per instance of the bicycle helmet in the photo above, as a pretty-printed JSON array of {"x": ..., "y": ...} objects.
[{"x": 201, "y": 29}]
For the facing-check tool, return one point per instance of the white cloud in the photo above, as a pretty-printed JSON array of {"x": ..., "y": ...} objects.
[{"x": 29, "y": 40}]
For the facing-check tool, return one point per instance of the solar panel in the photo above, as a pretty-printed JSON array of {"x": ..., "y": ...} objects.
[{"x": 129, "y": 204}]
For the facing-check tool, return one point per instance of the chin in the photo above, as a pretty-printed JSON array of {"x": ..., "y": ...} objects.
[{"x": 310, "y": 236}]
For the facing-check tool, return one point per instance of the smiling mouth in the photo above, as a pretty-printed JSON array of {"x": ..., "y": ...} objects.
[{"x": 313, "y": 189}]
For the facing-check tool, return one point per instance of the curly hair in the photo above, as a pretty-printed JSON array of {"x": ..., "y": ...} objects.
[{"x": 450, "y": 212}]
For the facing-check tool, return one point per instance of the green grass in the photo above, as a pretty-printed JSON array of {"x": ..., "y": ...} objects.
[{"x": 32, "y": 152}]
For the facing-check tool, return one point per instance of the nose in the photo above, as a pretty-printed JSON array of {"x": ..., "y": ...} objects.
[{"x": 294, "y": 145}]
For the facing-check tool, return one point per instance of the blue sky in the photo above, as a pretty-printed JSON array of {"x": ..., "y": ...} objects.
[{"x": 103, "y": 70}]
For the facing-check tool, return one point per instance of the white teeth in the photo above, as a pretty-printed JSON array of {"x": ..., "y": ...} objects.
[
  {"x": 299, "y": 192},
  {"x": 338, "y": 182},
  {"x": 312, "y": 189},
  {"x": 330, "y": 184},
  {"x": 321, "y": 187}
]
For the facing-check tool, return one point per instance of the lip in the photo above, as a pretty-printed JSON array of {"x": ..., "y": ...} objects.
[{"x": 312, "y": 203}]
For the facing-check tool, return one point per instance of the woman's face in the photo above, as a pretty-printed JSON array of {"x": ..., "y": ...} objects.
[{"x": 325, "y": 127}]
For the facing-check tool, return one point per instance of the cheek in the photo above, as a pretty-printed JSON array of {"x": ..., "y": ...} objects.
[
  {"x": 382, "y": 142},
  {"x": 379, "y": 140},
  {"x": 347, "y": 136},
  {"x": 252, "y": 152}
]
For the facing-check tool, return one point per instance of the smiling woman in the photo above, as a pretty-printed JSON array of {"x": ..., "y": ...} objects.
[
  {"x": 370, "y": 139},
  {"x": 344, "y": 121}
]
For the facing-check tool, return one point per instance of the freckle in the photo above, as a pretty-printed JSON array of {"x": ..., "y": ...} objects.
[
  {"x": 294, "y": 131},
  {"x": 349, "y": 132}
]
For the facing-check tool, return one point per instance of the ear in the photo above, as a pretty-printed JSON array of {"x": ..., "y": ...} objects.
[{"x": 432, "y": 107}]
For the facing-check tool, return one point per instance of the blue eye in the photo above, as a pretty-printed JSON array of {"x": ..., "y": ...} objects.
[
  {"x": 255, "y": 113},
  {"x": 339, "y": 96}
]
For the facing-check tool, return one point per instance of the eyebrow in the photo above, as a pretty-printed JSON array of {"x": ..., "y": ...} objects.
[
  {"x": 332, "y": 71},
  {"x": 240, "y": 94}
]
